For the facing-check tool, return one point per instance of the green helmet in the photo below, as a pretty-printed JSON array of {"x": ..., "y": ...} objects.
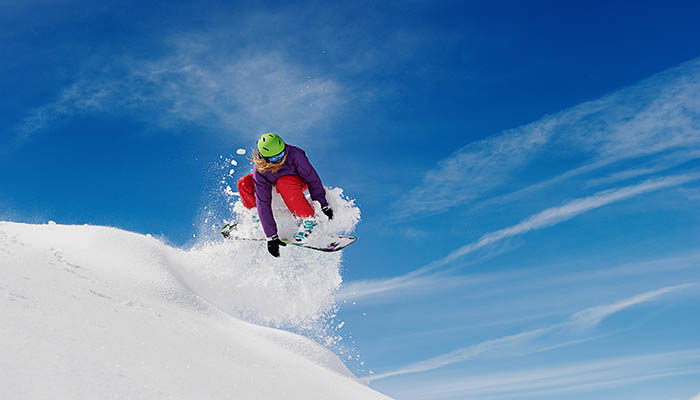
[{"x": 270, "y": 145}]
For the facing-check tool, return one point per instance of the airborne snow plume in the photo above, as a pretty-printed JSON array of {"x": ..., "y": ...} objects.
[
  {"x": 95, "y": 312},
  {"x": 293, "y": 292}
]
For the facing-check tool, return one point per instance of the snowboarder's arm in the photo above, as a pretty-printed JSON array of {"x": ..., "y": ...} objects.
[
  {"x": 263, "y": 199},
  {"x": 308, "y": 174}
]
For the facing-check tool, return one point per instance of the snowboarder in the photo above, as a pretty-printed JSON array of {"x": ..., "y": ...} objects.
[{"x": 287, "y": 168}]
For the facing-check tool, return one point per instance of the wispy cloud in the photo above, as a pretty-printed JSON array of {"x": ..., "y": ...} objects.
[
  {"x": 623, "y": 175},
  {"x": 508, "y": 298},
  {"x": 477, "y": 168},
  {"x": 416, "y": 286},
  {"x": 664, "y": 265},
  {"x": 591, "y": 317},
  {"x": 696, "y": 397},
  {"x": 467, "y": 353},
  {"x": 197, "y": 83},
  {"x": 657, "y": 164},
  {"x": 561, "y": 378},
  {"x": 692, "y": 194},
  {"x": 250, "y": 71},
  {"x": 555, "y": 215},
  {"x": 522, "y": 343},
  {"x": 543, "y": 219},
  {"x": 656, "y": 115}
]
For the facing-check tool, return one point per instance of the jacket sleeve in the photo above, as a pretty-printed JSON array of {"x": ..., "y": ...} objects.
[
  {"x": 308, "y": 174},
  {"x": 263, "y": 199}
]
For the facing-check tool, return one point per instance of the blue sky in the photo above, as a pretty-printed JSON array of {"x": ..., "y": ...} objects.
[{"x": 528, "y": 174}]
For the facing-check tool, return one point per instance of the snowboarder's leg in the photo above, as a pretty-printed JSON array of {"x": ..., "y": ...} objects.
[
  {"x": 291, "y": 188},
  {"x": 305, "y": 228},
  {"x": 247, "y": 224},
  {"x": 246, "y": 188}
]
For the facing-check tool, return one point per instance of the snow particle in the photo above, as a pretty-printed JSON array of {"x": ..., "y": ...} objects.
[{"x": 240, "y": 151}]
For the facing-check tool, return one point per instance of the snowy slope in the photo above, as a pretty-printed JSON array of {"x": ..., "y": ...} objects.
[{"x": 95, "y": 312}]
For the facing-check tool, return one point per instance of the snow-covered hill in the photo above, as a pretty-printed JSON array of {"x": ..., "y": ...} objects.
[{"x": 92, "y": 312}]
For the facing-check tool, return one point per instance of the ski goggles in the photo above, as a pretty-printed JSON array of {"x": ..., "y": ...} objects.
[{"x": 276, "y": 158}]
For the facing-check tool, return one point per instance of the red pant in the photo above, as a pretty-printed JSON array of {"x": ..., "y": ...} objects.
[{"x": 290, "y": 187}]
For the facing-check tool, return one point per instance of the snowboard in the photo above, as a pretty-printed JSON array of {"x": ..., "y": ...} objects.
[{"x": 329, "y": 243}]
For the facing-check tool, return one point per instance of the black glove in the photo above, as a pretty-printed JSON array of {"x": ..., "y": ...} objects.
[
  {"x": 328, "y": 211},
  {"x": 273, "y": 245}
]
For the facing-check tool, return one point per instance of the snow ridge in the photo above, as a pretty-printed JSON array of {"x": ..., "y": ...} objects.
[{"x": 96, "y": 312}]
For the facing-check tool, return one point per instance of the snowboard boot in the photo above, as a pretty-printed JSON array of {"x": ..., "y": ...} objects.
[
  {"x": 248, "y": 223},
  {"x": 228, "y": 230},
  {"x": 254, "y": 218},
  {"x": 304, "y": 228}
]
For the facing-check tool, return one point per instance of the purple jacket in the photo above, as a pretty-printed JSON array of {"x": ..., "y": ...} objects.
[{"x": 295, "y": 164}]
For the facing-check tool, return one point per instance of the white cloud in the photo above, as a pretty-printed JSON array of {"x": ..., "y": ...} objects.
[
  {"x": 523, "y": 343},
  {"x": 465, "y": 353},
  {"x": 360, "y": 289},
  {"x": 198, "y": 83},
  {"x": 659, "y": 164},
  {"x": 664, "y": 265},
  {"x": 696, "y": 397},
  {"x": 691, "y": 194},
  {"x": 475, "y": 169},
  {"x": 555, "y": 215},
  {"x": 591, "y": 317},
  {"x": 560, "y": 378},
  {"x": 543, "y": 219},
  {"x": 409, "y": 287},
  {"x": 624, "y": 175},
  {"x": 656, "y": 115}
]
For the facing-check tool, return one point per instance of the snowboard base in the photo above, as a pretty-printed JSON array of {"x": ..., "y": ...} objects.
[{"x": 328, "y": 244}]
